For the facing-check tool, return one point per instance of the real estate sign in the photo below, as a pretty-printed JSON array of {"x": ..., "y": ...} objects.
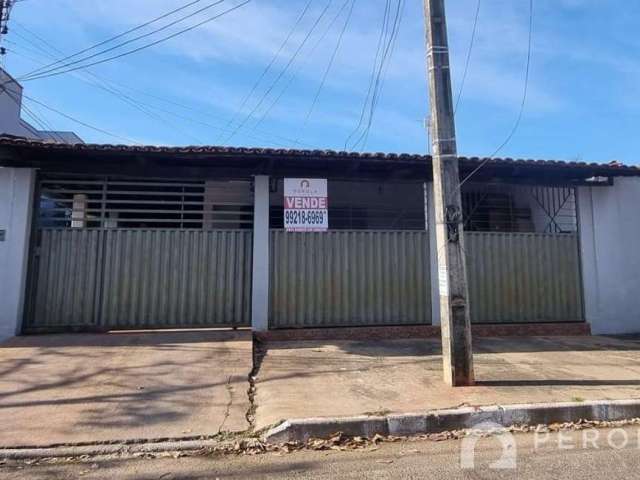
[{"x": 305, "y": 205}]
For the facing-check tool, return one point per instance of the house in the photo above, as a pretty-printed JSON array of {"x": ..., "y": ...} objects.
[
  {"x": 101, "y": 237},
  {"x": 12, "y": 108}
]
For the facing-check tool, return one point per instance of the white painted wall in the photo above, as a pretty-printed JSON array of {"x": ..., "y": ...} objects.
[
  {"x": 430, "y": 225},
  {"x": 260, "y": 279},
  {"x": 16, "y": 202},
  {"x": 609, "y": 232},
  {"x": 11, "y": 121}
]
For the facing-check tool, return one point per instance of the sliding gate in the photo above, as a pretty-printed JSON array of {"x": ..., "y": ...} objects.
[{"x": 118, "y": 254}]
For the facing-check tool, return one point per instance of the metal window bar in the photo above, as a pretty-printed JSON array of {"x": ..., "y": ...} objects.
[
  {"x": 103, "y": 202},
  {"x": 519, "y": 208},
  {"x": 394, "y": 205}
]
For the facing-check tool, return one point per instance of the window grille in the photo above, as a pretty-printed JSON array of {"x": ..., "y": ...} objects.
[
  {"x": 102, "y": 202},
  {"x": 516, "y": 208}
]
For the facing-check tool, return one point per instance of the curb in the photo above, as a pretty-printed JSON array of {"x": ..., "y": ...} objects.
[
  {"x": 436, "y": 421},
  {"x": 105, "y": 449}
]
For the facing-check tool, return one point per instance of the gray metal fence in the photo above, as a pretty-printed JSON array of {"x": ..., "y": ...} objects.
[
  {"x": 167, "y": 278},
  {"x": 64, "y": 279},
  {"x": 523, "y": 277},
  {"x": 118, "y": 278},
  {"x": 345, "y": 278}
]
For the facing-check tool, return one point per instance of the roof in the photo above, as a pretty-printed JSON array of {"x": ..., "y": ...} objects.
[{"x": 604, "y": 169}]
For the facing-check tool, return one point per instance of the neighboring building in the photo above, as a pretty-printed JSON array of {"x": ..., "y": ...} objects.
[
  {"x": 11, "y": 121},
  {"x": 100, "y": 237}
]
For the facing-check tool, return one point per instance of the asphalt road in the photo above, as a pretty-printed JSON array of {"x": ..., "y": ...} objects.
[{"x": 571, "y": 455}]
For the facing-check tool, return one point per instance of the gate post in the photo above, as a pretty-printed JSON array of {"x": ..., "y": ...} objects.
[
  {"x": 430, "y": 225},
  {"x": 16, "y": 204},
  {"x": 260, "y": 277}
]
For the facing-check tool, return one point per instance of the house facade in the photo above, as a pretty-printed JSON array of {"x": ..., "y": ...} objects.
[{"x": 104, "y": 237}]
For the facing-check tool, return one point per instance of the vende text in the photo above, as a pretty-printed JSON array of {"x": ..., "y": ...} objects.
[{"x": 305, "y": 202}]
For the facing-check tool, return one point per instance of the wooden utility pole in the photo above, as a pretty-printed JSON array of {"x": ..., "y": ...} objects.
[{"x": 455, "y": 320}]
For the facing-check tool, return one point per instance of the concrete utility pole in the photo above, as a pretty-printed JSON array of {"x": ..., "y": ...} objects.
[{"x": 455, "y": 320}]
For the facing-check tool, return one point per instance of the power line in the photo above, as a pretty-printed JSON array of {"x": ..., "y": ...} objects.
[
  {"x": 522, "y": 104},
  {"x": 79, "y": 122},
  {"x": 39, "y": 121},
  {"x": 120, "y": 35},
  {"x": 102, "y": 84},
  {"x": 378, "y": 93},
  {"x": 208, "y": 114},
  {"x": 208, "y": 20},
  {"x": 377, "y": 88},
  {"x": 281, "y": 74},
  {"x": 108, "y": 86},
  {"x": 468, "y": 60},
  {"x": 295, "y": 74},
  {"x": 381, "y": 37},
  {"x": 271, "y": 63},
  {"x": 46, "y": 127},
  {"x": 331, "y": 61}
]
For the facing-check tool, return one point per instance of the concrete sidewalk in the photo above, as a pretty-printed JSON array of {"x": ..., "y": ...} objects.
[
  {"x": 349, "y": 378},
  {"x": 62, "y": 389}
]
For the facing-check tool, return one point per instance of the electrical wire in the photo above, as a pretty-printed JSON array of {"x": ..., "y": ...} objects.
[
  {"x": 522, "y": 106},
  {"x": 143, "y": 47},
  {"x": 268, "y": 67},
  {"x": 37, "y": 119},
  {"x": 297, "y": 71},
  {"x": 79, "y": 122},
  {"x": 381, "y": 37},
  {"x": 110, "y": 87},
  {"x": 330, "y": 64},
  {"x": 97, "y": 82},
  {"x": 292, "y": 59},
  {"x": 120, "y": 35},
  {"x": 378, "y": 94},
  {"x": 468, "y": 60},
  {"x": 377, "y": 89}
]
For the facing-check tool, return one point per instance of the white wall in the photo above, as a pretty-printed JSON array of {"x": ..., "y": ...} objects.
[
  {"x": 609, "y": 234},
  {"x": 16, "y": 201},
  {"x": 11, "y": 121},
  {"x": 10, "y": 108},
  {"x": 260, "y": 278}
]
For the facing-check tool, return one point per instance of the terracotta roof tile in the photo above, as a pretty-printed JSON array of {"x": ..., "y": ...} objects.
[{"x": 13, "y": 141}]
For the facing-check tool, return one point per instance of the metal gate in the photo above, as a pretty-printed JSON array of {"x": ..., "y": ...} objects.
[
  {"x": 522, "y": 253},
  {"x": 119, "y": 254},
  {"x": 349, "y": 278},
  {"x": 523, "y": 277}
]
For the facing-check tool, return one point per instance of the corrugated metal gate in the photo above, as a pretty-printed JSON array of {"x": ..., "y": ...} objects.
[
  {"x": 522, "y": 252},
  {"x": 523, "y": 277},
  {"x": 348, "y": 278},
  {"x": 113, "y": 254}
]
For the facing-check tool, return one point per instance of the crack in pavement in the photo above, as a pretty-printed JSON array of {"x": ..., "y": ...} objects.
[{"x": 229, "y": 389}]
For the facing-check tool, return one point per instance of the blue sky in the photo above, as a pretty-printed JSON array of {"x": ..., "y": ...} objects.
[{"x": 584, "y": 92}]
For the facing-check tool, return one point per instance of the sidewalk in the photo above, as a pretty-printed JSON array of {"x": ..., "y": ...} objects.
[
  {"x": 67, "y": 389},
  {"x": 350, "y": 378}
]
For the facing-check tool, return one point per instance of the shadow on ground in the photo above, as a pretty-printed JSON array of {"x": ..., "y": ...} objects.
[
  {"x": 302, "y": 379},
  {"x": 88, "y": 388}
]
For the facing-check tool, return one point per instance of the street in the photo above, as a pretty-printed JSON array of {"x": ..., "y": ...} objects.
[{"x": 586, "y": 454}]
